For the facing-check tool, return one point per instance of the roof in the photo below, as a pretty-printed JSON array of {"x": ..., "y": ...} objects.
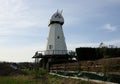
[{"x": 57, "y": 18}]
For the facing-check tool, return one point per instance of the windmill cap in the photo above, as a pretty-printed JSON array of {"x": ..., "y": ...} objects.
[{"x": 57, "y": 18}]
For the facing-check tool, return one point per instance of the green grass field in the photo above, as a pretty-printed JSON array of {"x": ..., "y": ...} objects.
[
  {"x": 17, "y": 80},
  {"x": 51, "y": 79},
  {"x": 40, "y": 76}
]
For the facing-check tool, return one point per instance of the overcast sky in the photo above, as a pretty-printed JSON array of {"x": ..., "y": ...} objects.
[{"x": 24, "y": 25}]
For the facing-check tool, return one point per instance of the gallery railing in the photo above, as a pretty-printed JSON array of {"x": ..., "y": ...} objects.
[{"x": 56, "y": 52}]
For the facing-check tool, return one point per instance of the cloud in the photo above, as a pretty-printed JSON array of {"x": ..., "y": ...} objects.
[
  {"x": 115, "y": 43},
  {"x": 16, "y": 16},
  {"x": 19, "y": 53},
  {"x": 110, "y": 27},
  {"x": 10, "y": 15},
  {"x": 11, "y": 9}
]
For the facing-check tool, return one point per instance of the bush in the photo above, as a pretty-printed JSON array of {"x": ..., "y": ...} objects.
[{"x": 86, "y": 53}]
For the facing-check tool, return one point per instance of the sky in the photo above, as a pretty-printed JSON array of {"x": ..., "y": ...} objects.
[{"x": 24, "y": 25}]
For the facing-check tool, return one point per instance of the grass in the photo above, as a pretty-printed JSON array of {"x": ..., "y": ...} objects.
[
  {"x": 17, "y": 80},
  {"x": 51, "y": 79},
  {"x": 42, "y": 77}
]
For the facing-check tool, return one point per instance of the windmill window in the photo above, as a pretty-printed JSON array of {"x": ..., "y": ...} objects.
[
  {"x": 58, "y": 37},
  {"x": 50, "y": 46}
]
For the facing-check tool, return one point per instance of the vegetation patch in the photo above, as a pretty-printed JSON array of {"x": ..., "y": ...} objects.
[{"x": 52, "y": 79}]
